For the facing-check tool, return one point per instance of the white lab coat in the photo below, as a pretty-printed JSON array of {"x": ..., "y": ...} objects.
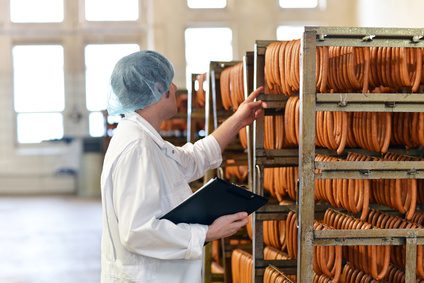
[{"x": 143, "y": 178}]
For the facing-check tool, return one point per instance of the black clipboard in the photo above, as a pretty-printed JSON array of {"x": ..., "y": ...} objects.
[{"x": 214, "y": 199}]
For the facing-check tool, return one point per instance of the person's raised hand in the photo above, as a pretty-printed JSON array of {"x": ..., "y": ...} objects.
[{"x": 250, "y": 110}]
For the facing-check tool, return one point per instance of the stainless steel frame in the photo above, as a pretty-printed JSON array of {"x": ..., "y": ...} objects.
[{"x": 310, "y": 102}]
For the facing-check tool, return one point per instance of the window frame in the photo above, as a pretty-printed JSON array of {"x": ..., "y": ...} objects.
[
  {"x": 207, "y": 8},
  {"x": 125, "y": 40},
  {"x": 42, "y": 42},
  {"x": 82, "y": 11},
  {"x": 139, "y": 25},
  {"x": 8, "y": 7},
  {"x": 73, "y": 34},
  {"x": 205, "y": 26},
  {"x": 321, "y": 5}
]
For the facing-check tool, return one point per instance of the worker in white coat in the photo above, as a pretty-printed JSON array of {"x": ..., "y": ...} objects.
[{"x": 144, "y": 177}]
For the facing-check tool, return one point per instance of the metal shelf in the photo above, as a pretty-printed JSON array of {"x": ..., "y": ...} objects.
[
  {"x": 193, "y": 113},
  {"x": 310, "y": 102},
  {"x": 342, "y": 37},
  {"x": 374, "y": 102},
  {"x": 215, "y": 69},
  {"x": 215, "y": 115}
]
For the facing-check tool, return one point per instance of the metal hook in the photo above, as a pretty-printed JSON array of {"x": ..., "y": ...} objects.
[
  {"x": 390, "y": 104},
  {"x": 321, "y": 37},
  {"x": 365, "y": 172},
  {"x": 368, "y": 38},
  {"x": 413, "y": 171},
  {"x": 342, "y": 102},
  {"x": 416, "y": 38}
]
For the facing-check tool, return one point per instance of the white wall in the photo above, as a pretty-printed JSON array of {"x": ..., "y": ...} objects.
[
  {"x": 34, "y": 168},
  {"x": 391, "y": 13},
  {"x": 249, "y": 20}
]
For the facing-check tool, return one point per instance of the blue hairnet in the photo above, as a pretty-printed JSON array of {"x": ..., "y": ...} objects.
[{"x": 139, "y": 80}]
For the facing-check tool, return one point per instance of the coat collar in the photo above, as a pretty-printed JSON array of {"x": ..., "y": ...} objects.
[
  {"x": 147, "y": 127},
  {"x": 168, "y": 148}
]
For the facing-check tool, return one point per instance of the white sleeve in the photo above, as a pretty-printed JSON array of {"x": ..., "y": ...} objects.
[
  {"x": 198, "y": 158},
  {"x": 137, "y": 200}
]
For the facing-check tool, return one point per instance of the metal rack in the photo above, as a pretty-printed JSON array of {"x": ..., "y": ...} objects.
[
  {"x": 310, "y": 102},
  {"x": 182, "y": 139},
  {"x": 193, "y": 113},
  {"x": 214, "y": 115},
  {"x": 209, "y": 127},
  {"x": 234, "y": 151},
  {"x": 198, "y": 113},
  {"x": 248, "y": 67}
]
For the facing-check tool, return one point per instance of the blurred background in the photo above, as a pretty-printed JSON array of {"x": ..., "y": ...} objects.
[{"x": 56, "y": 57}]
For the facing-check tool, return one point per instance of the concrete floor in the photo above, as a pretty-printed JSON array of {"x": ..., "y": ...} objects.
[{"x": 50, "y": 239}]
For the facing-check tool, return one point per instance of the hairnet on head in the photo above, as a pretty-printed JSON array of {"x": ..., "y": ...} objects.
[{"x": 139, "y": 80}]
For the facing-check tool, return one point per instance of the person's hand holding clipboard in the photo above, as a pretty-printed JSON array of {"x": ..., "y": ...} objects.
[{"x": 215, "y": 199}]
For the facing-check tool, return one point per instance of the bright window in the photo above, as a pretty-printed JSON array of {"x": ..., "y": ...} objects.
[
  {"x": 36, "y": 11},
  {"x": 111, "y": 10},
  {"x": 39, "y": 92},
  {"x": 100, "y": 59},
  {"x": 203, "y": 45},
  {"x": 290, "y": 32},
  {"x": 38, "y": 127},
  {"x": 298, "y": 3},
  {"x": 95, "y": 120},
  {"x": 205, "y": 4}
]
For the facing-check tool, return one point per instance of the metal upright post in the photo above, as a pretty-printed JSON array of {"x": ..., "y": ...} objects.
[
  {"x": 258, "y": 141},
  {"x": 305, "y": 199},
  {"x": 411, "y": 259},
  {"x": 248, "y": 88}
]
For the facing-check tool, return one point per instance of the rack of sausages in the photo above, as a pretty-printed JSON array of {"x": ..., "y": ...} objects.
[
  {"x": 274, "y": 275},
  {"x": 226, "y": 92},
  {"x": 232, "y": 92},
  {"x": 214, "y": 262},
  {"x": 344, "y": 68},
  {"x": 373, "y": 131},
  {"x": 170, "y": 126},
  {"x": 351, "y": 274},
  {"x": 364, "y": 262},
  {"x": 354, "y": 195},
  {"x": 242, "y": 265},
  {"x": 231, "y": 83},
  {"x": 195, "y": 108},
  {"x": 200, "y": 97},
  {"x": 375, "y": 260},
  {"x": 342, "y": 86},
  {"x": 274, "y": 235},
  {"x": 238, "y": 172},
  {"x": 280, "y": 238},
  {"x": 378, "y": 263},
  {"x": 175, "y": 129}
]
